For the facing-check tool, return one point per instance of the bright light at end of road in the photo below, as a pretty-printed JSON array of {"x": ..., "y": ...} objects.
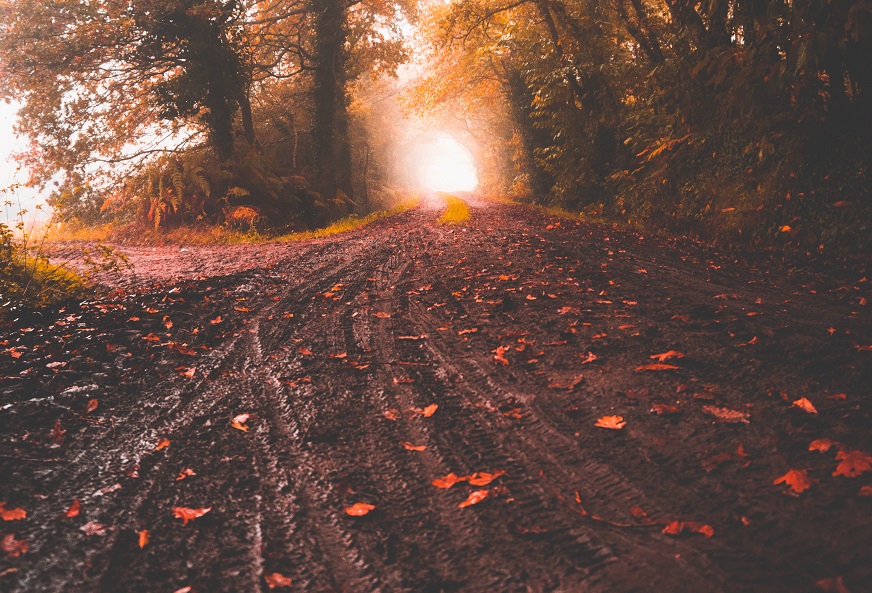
[{"x": 444, "y": 165}]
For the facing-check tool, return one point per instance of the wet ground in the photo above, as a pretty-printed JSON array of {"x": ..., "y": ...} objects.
[{"x": 212, "y": 423}]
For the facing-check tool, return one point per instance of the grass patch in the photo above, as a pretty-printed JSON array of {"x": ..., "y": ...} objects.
[
  {"x": 350, "y": 223},
  {"x": 30, "y": 280},
  {"x": 457, "y": 210}
]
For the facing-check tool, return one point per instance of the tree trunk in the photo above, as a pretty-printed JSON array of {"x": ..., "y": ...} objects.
[{"x": 330, "y": 143}]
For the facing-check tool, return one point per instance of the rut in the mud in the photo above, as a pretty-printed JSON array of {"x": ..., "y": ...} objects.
[{"x": 524, "y": 333}]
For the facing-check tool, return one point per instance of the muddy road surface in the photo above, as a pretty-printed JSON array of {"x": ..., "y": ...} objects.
[{"x": 212, "y": 422}]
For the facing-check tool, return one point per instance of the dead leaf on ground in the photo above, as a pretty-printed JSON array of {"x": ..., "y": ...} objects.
[
  {"x": 474, "y": 498},
  {"x": 162, "y": 444},
  {"x": 727, "y": 415},
  {"x": 143, "y": 538},
  {"x": 853, "y": 463},
  {"x": 12, "y": 513},
  {"x": 411, "y": 447},
  {"x": 92, "y": 405},
  {"x": 716, "y": 461},
  {"x": 429, "y": 410},
  {"x": 392, "y": 414},
  {"x": 276, "y": 580},
  {"x": 187, "y": 514},
  {"x": 57, "y": 433},
  {"x": 833, "y": 585},
  {"x": 93, "y": 528},
  {"x": 590, "y": 357},
  {"x": 656, "y": 367},
  {"x": 611, "y": 422},
  {"x": 663, "y": 409},
  {"x": 499, "y": 355},
  {"x": 381, "y": 315},
  {"x": 239, "y": 422},
  {"x": 822, "y": 445},
  {"x": 796, "y": 479},
  {"x": 448, "y": 481},
  {"x": 669, "y": 355},
  {"x": 484, "y": 478},
  {"x": 679, "y": 527},
  {"x": 805, "y": 405},
  {"x": 467, "y": 331},
  {"x": 185, "y": 473},
  {"x": 359, "y": 509},
  {"x": 74, "y": 509},
  {"x": 865, "y": 491},
  {"x": 13, "y": 547}
]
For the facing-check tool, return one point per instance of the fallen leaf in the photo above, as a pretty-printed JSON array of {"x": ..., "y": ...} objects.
[
  {"x": 805, "y": 405},
  {"x": 667, "y": 355},
  {"x": 276, "y": 580},
  {"x": 612, "y": 422},
  {"x": 484, "y": 478},
  {"x": 797, "y": 479},
  {"x": 339, "y": 355},
  {"x": 835, "y": 584},
  {"x": 93, "y": 528},
  {"x": 727, "y": 415},
  {"x": 143, "y": 538},
  {"x": 188, "y": 589},
  {"x": 391, "y": 414},
  {"x": 241, "y": 309},
  {"x": 185, "y": 473},
  {"x": 239, "y": 422},
  {"x": 589, "y": 358},
  {"x": 853, "y": 463},
  {"x": 186, "y": 514},
  {"x": 13, "y": 547},
  {"x": 74, "y": 510},
  {"x": 305, "y": 352},
  {"x": 448, "y": 481},
  {"x": 499, "y": 355},
  {"x": 181, "y": 349},
  {"x": 678, "y": 527},
  {"x": 57, "y": 433},
  {"x": 663, "y": 409},
  {"x": 359, "y": 509},
  {"x": 716, "y": 461},
  {"x": 656, "y": 367},
  {"x": 162, "y": 444},
  {"x": 474, "y": 498},
  {"x": 216, "y": 321},
  {"x": 382, "y": 315},
  {"x": 11, "y": 514},
  {"x": 411, "y": 447},
  {"x": 822, "y": 445},
  {"x": 865, "y": 491},
  {"x": 92, "y": 405},
  {"x": 429, "y": 410}
]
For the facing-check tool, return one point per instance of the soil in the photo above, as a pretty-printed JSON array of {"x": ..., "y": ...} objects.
[{"x": 524, "y": 330}]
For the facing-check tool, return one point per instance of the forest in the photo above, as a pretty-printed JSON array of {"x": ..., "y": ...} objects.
[
  {"x": 436, "y": 296},
  {"x": 733, "y": 121}
]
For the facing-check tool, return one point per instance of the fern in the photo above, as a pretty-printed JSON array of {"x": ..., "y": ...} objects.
[{"x": 198, "y": 174}]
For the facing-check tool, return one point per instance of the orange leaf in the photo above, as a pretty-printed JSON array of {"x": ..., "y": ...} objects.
[
  {"x": 822, "y": 445},
  {"x": 853, "y": 463},
  {"x": 467, "y": 331},
  {"x": 498, "y": 355},
  {"x": 187, "y": 514},
  {"x": 473, "y": 498},
  {"x": 448, "y": 481},
  {"x": 185, "y": 473},
  {"x": 359, "y": 509},
  {"x": 92, "y": 405},
  {"x": 276, "y": 580},
  {"x": 661, "y": 409},
  {"x": 13, "y": 547},
  {"x": 241, "y": 309},
  {"x": 656, "y": 367},
  {"x": 239, "y": 422},
  {"x": 865, "y": 491},
  {"x": 412, "y": 447},
  {"x": 181, "y": 349},
  {"x": 305, "y": 352},
  {"x": 797, "y": 479},
  {"x": 162, "y": 444},
  {"x": 484, "y": 478},
  {"x": 727, "y": 415},
  {"x": 381, "y": 315},
  {"x": 143, "y": 538},
  {"x": 74, "y": 510},
  {"x": 677, "y": 527},
  {"x": 667, "y": 355},
  {"x": 11, "y": 514},
  {"x": 216, "y": 321},
  {"x": 429, "y": 410},
  {"x": 612, "y": 422},
  {"x": 805, "y": 405},
  {"x": 391, "y": 414}
]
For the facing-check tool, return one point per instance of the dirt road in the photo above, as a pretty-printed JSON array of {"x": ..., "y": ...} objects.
[{"x": 523, "y": 331}]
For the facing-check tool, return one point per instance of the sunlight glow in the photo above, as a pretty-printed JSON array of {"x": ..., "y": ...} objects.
[{"x": 445, "y": 165}]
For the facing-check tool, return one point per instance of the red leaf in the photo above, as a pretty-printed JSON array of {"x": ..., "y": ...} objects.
[
  {"x": 805, "y": 405},
  {"x": 473, "y": 498},
  {"x": 429, "y": 410},
  {"x": 92, "y": 405},
  {"x": 611, "y": 422},
  {"x": 667, "y": 355},
  {"x": 411, "y": 447},
  {"x": 797, "y": 479},
  {"x": 448, "y": 481},
  {"x": 143, "y": 538},
  {"x": 185, "y": 473},
  {"x": 822, "y": 445},
  {"x": 381, "y": 315},
  {"x": 499, "y": 355},
  {"x": 13, "y": 547},
  {"x": 484, "y": 478},
  {"x": 656, "y": 367},
  {"x": 186, "y": 514},
  {"x": 359, "y": 509},
  {"x": 853, "y": 463},
  {"x": 276, "y": 580},
  {"x": 11, "y": 514},
  {"x": 678, "y": 527},
  {"x": 162, "y": 444},
  {"x": 73, "y": 511}
]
